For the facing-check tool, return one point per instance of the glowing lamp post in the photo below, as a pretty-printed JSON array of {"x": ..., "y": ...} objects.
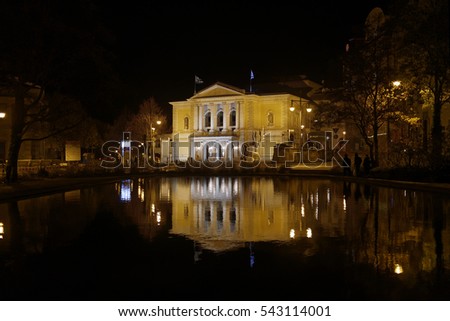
[
  {"x": 158, "y": 122},
  {"x": 300, "y": 125},
  {"x": 308, "y": 111}
]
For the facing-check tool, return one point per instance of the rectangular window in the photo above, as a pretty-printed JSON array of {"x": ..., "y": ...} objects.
[
  {"x": 233, "y": 118},
  {"x": 208, "y": 120},
  {"x": 220, "y": 119}
]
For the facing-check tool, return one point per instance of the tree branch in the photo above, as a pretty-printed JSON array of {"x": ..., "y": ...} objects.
[{"x": 59, "y": 131}]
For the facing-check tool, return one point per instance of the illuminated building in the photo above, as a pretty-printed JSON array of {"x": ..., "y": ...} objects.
[{"x": 225, "y": 123}]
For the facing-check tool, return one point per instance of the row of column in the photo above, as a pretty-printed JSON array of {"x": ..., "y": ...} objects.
[{"x": 201, "y": 110}]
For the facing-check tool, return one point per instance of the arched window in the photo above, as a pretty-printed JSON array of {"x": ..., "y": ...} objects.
[
  {"x": 186, "y": 122},
  {"x": 220, "y": 119},
  {"x": 208, "y": 119},
  {"x": 270, "y": 119},
  {"x": 233, "y": 118}
]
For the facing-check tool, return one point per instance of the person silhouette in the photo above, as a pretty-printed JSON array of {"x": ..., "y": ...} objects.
[
  {"x": 357, "y": 164},
  {"x": 347, "y": 165}
]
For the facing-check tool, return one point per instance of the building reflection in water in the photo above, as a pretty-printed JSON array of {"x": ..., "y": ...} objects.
[
  {"x": 225, "y": 212},
  {"x": 124, "y": 189},
  {"x": 398, "y": 231},
  {"x": 386, "y": 228}
]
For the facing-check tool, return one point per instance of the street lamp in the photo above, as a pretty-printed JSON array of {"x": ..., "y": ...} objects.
[
  {"x": 308, "y": 111},
  {"x": 158, "y": 122},
  {"x": 292, "y": 109},
  {"x": 396, "y": 84}
]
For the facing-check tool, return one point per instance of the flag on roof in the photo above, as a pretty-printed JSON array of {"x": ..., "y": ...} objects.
[{"x": 198, "y": 80}]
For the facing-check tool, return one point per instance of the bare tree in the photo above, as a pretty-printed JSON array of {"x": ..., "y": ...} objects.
[
  {"x": 148, "y": 121},
  {"x": 371, "y": 92},
  {"x": 35, "y": 117},
  {"x": 45, "y": 50}
]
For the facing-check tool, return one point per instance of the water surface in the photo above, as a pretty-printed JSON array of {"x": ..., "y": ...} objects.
[{"x": 226, "y": 238}]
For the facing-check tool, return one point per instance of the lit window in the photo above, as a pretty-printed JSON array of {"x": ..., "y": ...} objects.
[
  {"x": 208, "y": 119},
  {"x": 233, "y": 118},
  {"x": 220, "y": 119}
]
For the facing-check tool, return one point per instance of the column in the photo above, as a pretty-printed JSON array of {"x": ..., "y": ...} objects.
[
  {"x": 226, "y": 115},
  {"x": 200, "y": 118},
  {"x": 195, "y": 117},
  {"x": 238, "y": 115},
  {"x": 213, "y": 116}
]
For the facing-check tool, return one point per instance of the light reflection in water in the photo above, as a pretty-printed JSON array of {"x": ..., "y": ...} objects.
[
  {"x": 72, "y": 196},
  {"x": 252, "y": 255},
  {"x": 124, "y": 189},
  {"x": 263, "y": 210},
  {"x": 381, "y": 227},
  {"x": 398, "y": 269},
  {"x": 292, "y": 233},
  {"x": 224, "y": 213},
  {"x": 158, "y": 217},
  {"x": 141, "y": 189}
]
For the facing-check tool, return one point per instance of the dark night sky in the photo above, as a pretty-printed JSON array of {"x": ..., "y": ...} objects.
[{"x": 162, "y": 45}]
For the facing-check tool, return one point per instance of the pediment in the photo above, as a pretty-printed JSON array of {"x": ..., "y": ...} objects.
[{"x": 219, "y": 90}]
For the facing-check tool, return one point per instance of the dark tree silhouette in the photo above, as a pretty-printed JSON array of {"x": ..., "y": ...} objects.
[
  {"x": 49, "y": 47},
  {"x": 427, "y": 50}
]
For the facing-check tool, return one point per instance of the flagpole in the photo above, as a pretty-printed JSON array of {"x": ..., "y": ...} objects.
[
  {"x": 195, "y": 85},
  {"x": 197, "y": 80}
]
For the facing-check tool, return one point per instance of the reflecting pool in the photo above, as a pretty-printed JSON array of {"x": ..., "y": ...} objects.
[{"x": 227, "y": 238}]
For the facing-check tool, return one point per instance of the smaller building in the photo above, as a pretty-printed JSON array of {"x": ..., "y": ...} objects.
[{"x": 33, "y": 153}]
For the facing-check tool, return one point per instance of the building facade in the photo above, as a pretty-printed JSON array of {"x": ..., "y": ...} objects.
[{"x": 224, "y": 123}]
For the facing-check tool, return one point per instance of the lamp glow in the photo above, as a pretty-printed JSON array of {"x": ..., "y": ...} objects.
[{"x": 398, "y": 269}]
